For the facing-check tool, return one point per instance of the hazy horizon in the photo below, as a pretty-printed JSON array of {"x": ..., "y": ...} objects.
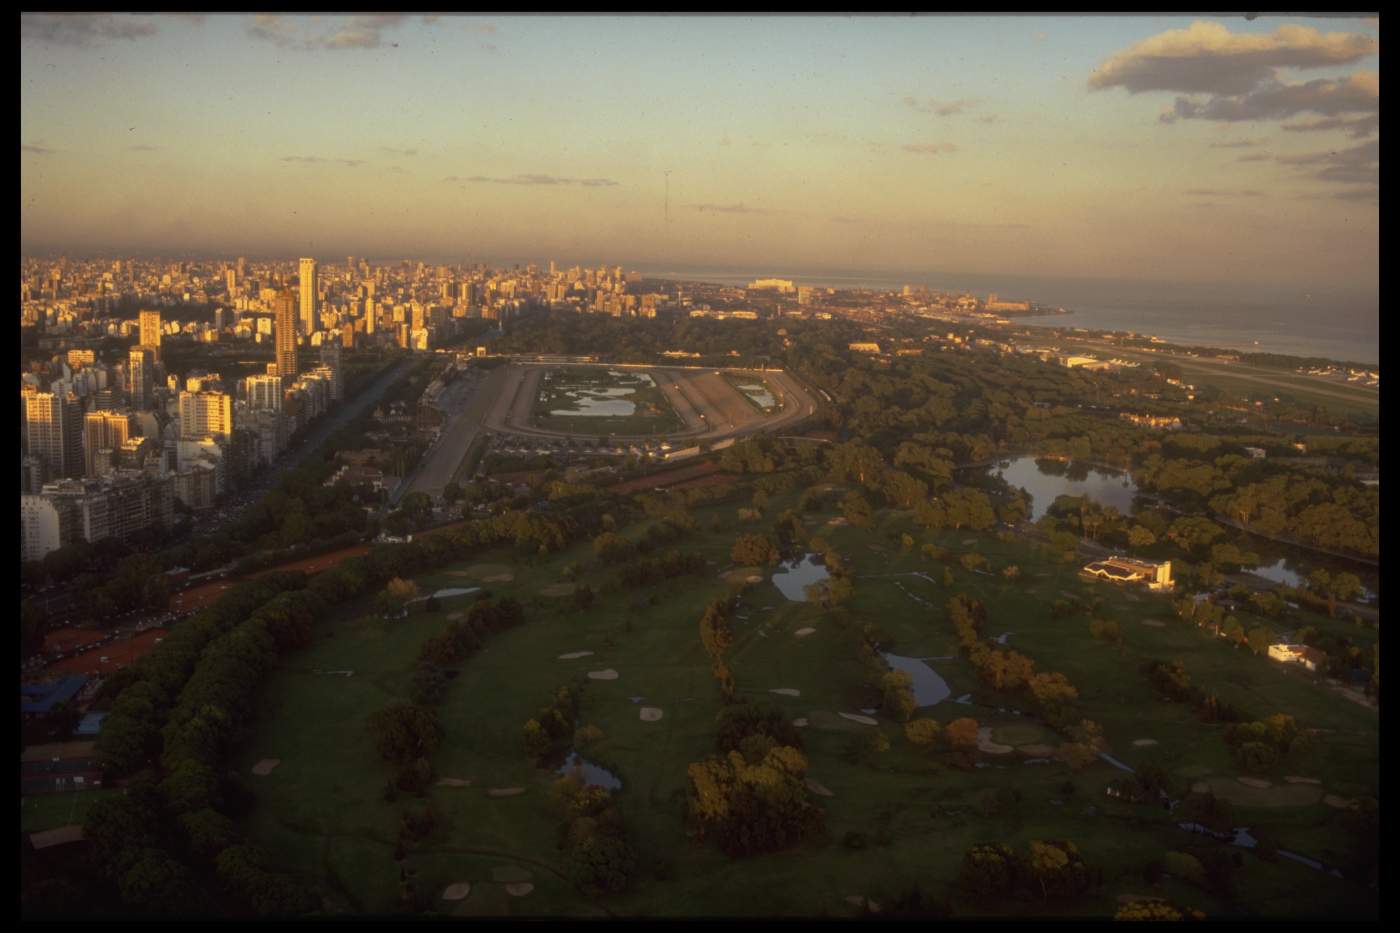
[{"x": 1192, "y": 150}]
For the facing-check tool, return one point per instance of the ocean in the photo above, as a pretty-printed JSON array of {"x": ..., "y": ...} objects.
[{"x": 1335, "y": 324}]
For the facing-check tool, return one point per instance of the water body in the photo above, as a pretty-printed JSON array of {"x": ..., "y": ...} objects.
[
  {"x": 1279, "y": 572},
  {"x": 760, "y": 394},
  {"x": 598, "y": 403},
  {"x": 1116, "y": 763},
  {"x": 1046, "y": 480},
  {"x": 929, "y": 688},
  {"x": 1336, "y": 323},
  {"x": 592, "y": 774},
  {"x": 794, "y": 576},
  {"x": 446, "y": 593}
]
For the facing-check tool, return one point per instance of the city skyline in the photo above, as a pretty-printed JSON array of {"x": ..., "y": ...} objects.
[{"x": 1191, "y": 149}]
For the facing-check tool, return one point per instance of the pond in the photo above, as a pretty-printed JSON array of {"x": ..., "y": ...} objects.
[
  {"x": 794, "y": 576},
  {"x": 1047, "y": 479},
  {"x": 760, "y": 394},
  {"x": 929, "y": 688},
  {"x": 1279, "y": 572},
  {"x": 598, "y": 403},
  {"x": 592, "y": 774}
]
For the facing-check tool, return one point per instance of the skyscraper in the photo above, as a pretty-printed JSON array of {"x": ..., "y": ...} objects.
[
  {"x": 308, "y": 296},
  {"x": 54, "y": 429},
  {"x": 285, "y": 334},
  {"x": 140, "y": 377},
  {"x": 150, "y": 332}
]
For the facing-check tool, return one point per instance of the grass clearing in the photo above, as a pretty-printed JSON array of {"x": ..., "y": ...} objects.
[
  {"x": 582, "y": 400},
  {"x": 323, "y": 815}
]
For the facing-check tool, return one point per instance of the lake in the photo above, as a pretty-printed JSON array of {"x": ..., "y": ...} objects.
[
  {"x": 794, "y": 576},
  {"x": 929, "y": 687},
  {"x": 1048, "y": 479}
]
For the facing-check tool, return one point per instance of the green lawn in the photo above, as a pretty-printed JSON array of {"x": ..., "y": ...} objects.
[
  {"x": 321, "y": 812},
  {"x": 564, "y": 391},
  {"x": 52, "y": 811}
]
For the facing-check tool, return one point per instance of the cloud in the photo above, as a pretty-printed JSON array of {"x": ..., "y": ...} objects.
[
  {"x": 318, "y": 159},
  {"x": 535, "y": 179},
  {"x": 929, "y": 148},
  {"x": 730, "y": 209},
  {"x": 1236, "y": 144},
  {"x": 1358, "y": 93},
  {"x": 1206, "y": 58},
  {"x": 1357, "y": 165},
  {"x": 37, "y": 150},
  {"x": 83, "y": 29},
  {"x": 942, "y": 108},
  {"x": 143, "y": 148},
  {"x": 1358, "y": 127},
  {"x": 398, "y": 152},
  {"x": 847, "y": 220},
  {"x": 989, "y": 118},
  {"x": 1218, "y": 193},
  {"x": 1255, "y": 157},
  {"x": 360, "y": 32}
]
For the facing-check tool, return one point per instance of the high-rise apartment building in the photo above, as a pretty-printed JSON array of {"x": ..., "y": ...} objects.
[
  {"x": 285, "y": 331},
  {"x": 54, "y": 431},
  {"x": 103, "y": 430},
  {"x": 265, "y": 393},
  {"x": 308, "y": 296},
  {"x": 150, "y": 332},
  {"x": 140, "y": 378},
  {"x": 206, "y": 414}
]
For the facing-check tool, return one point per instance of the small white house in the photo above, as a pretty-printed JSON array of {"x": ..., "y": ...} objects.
[{"x": 1296, "y": 654}]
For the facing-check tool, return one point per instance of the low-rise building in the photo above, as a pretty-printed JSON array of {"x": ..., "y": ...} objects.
[
  {"x": 1129, "y": 570},
  {"x": 1310, "y": 658}
]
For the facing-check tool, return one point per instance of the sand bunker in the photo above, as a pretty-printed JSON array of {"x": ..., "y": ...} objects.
[
  {"x": 574, "y": 655},
  {"x": 519, "y": 888},
  {"x": 820, "y": 790},
  {"x": 985, "y": 743},
  {"x": 1036, "y": 751},
  {"x": 499, "y": 578},
  {"x": 753, "y": 578},
  {"x": 455, "y": 892},
  {"x": 650, "y": 714},
  {"x": 1254, "y": 782},
  {"x": 1143, "y": 743},
  {"x": 1294, "y": 779},
  {"x": 743, "y": 575},
  {"x": 264, "y": 767},
  {"x": 800, "y": 722},
  {"x": 557, "y": 589},
  {"x": 504, "y": 791},
  {"x": 56, "y": 837},
  {"x": 836, "y": 522},
  {"x": 863, "y": 720},
  {"x": 453, "y": 782},
  {"x": 1341, "y": 803},
  {"x": 969, "y": 540},
  {"x": 787, "y": 691},
  {"x": 1154, "y": 623},
  {"x": 458, "y": 573},
  {"x": 454, "y": 616},
  {"x": 608, "y": 674},
  {"x": 804, "y": 632}
]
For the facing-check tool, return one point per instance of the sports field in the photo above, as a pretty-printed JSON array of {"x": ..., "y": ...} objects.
[{"x": 321, "y": 813}]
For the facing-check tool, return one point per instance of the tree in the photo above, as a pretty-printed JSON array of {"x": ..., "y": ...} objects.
[
  {"x": 1140, "y": 537},
  {"x": 1259, "y": 639},
  {"x": 403, "y": 732},
  {"x": 988, "y": 871},
  {"x": 961, "y": 735},
  {"x": 751, "y": 549},
  {"x": 1057, "y": 867},
  {"x": 923, "y": 733},
  {"x": 898, "y": 694},
  {"x": 856, "y": 509}
]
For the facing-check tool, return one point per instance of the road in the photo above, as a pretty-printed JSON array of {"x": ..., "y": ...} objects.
[{"x": 466, "y": 401}]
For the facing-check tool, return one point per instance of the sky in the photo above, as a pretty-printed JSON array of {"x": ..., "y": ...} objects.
[{"x": 1190, "y": 149}]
